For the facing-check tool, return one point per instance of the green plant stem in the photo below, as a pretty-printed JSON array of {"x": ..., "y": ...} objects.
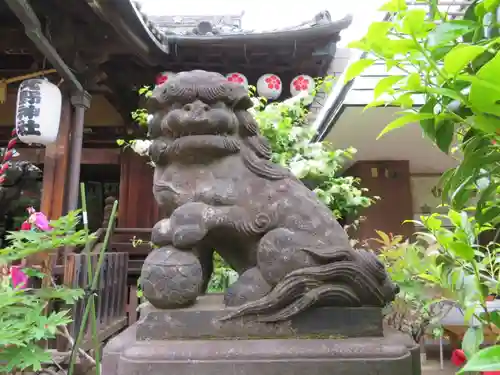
[
  {"x": 86, "y": 250},
  {"x": 95, "y": 279}
]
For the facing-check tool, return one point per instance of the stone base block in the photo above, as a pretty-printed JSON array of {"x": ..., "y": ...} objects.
[
  {"x": 124, "y": 355},
  {"x": 202, "y": 321}
]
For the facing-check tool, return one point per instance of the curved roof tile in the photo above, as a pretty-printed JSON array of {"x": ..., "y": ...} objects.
[{"x": 138, "y": 28}]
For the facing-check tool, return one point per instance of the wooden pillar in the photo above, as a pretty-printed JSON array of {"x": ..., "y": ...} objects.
[
  {"x": 55, "y": 170},
  {"x": 138, "y": 208},
  {"x": 390, "y": 180}
]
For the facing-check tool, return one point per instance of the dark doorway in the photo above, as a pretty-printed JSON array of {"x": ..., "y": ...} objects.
[{"x": 101, "y": 181}]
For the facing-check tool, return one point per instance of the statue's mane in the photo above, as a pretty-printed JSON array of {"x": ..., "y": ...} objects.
[
  {"x": 210, "y": 87},
  {"x": 255, "y": 149}
]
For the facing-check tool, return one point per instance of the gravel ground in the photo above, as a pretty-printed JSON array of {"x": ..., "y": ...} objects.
[{"x": 431, "y": 367}]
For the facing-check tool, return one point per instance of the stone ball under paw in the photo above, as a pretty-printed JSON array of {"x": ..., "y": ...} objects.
[{"x": 171, "y": 278}]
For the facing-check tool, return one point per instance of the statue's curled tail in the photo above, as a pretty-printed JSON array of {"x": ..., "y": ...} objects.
[{"x": 357, "y": 280}]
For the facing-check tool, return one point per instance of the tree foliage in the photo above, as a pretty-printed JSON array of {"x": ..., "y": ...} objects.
[{"x": 451, "y": 66}]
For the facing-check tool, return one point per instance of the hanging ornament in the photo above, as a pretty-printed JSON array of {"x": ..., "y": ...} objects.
[
  {"x": 38, "y": 111},
  {"x": 269, "y": 86},
  {"x": 303, "y": 85},
  {"x": 8, "y": 154},
  {"x": 164, "y": 77},
  {"x": 238, "y": 78}
]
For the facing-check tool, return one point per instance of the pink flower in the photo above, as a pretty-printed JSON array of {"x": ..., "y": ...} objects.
[
  {"x": 18, "y": 277},
  {"x": 38, "y": 219}
]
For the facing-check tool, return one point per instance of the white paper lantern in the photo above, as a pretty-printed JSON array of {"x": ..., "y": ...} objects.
[
  {"x": 302, "y": 83},
  {"x": 237, "y": 78},
  {"x": 38, "y": 111},
  {"x": 164, "y": 77},
  {"x": 269, "y": 86}
]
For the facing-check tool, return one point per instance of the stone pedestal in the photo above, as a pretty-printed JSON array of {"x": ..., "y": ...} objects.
[{"x": 320, "y": 341}]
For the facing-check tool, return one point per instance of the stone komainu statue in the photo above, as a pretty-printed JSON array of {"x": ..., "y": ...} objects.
[{"x": 221, "y": 192}]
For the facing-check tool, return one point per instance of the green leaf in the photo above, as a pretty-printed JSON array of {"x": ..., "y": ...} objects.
[
  {"x": 432, "y": 223},
  {"x": 484, "y": 122},
  {"x": 405, "y": 101},
  {"x": 414, "y": 82},
  {"x": 460, "y": 56},
  {"x": 394, "y": 6},
  {"x": 449, "y": 31},
  {"x": 473, "y": 337},
  {"x": 404, "y": 120},
  {"x": 359, "y": 44},
  {"x": 414, "y": 21},
  {"x": 495, "y": 318},
  {"x": 485, "y": 89},
  {"x": 444, "y": 135},
  {"x": 427, "y": 125},
  {"x": 487, "y": 359},
  {"x": 455, "y": 218},
  {"x": 378, "y": 31},
  {"x": 491, "y": 5},
  {"x": 444, "y": 92},
  {"x": 462, "y": 250},
  {"x": 386, "y": 85},
  {"x": 356, "y": 68}
]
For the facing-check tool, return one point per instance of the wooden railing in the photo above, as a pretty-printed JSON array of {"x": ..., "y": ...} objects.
[
  {"x": 122, "y": 241},
  {"x": 111, "y": 294}
]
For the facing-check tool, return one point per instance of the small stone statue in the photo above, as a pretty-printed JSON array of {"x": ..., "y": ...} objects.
[{"x": 215, "y": 180}]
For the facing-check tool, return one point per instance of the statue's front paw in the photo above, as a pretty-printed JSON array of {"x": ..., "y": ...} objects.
[
  {"x": 187, "y": 236},
  {"x": 161, "y": 235},
  {"x": 188, "y": 224}
]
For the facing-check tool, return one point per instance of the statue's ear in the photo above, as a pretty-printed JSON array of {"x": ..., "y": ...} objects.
[
  {"x": 152, "y": 104},
  {"x": 238, "y": 96},
  {"x": 157, "y": 98}
]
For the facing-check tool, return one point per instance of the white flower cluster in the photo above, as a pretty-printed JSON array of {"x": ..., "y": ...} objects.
[{"x": 141, "y": 146}]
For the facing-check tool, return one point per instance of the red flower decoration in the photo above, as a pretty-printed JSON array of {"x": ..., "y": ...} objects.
[
  {"x": 458, "y": 359},
  {"x": 25, "y": 226},
  {"x": 273, "y": 82},
  {"x": 236, "y": 78},
  {"x": 161, "y": 78},
  {"x": 301, "y": 83}
]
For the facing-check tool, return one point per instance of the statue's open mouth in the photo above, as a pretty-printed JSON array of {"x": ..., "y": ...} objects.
[
  {"x": 198, "y": 134},
  {"x": 192, "y": 142}
]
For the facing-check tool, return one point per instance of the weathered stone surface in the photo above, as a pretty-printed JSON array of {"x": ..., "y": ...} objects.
[
  {"x": 171, "y": 278},
  {"x": 355, "y": 356},
  {"x": 215, "y": 180},
  {"x": 202, "y": 321}
]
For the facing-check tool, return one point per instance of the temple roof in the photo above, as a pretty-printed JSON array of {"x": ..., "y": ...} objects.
[{"x": 161, "y": 36}]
